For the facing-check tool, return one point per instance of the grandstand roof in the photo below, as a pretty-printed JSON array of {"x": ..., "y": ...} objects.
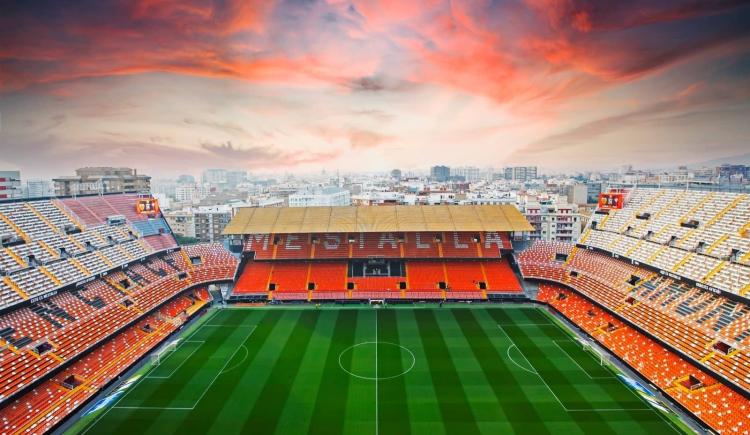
[{"x": 377, "y": 219}]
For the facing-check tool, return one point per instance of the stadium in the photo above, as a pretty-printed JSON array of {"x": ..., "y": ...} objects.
[{"x": 391, "y": 319}]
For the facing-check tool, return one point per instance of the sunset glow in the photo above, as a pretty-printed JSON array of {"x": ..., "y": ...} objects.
[{"x": 172, "y": 86}]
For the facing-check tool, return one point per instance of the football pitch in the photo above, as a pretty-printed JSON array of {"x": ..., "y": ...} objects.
[{"x": 395, "y": 370}]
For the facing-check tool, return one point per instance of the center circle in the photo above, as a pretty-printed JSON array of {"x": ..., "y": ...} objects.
[{"x": 380, "y": 360}]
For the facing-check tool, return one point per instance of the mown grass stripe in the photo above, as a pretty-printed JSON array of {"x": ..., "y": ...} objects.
[
  {"x": 267, "y": 409},
  {"x": 423, "y": 406},
  {"x": 557, "y": 381},
  {"x": 601, "y": 393},
  {"x": 613, "y": 389},
  {"x": 167, "y": 392},
  {"x": 454, "y": 407},
  {"x": 393, "y": 410},
  {"x": 330, "y": 401},
  {"x": 218, "y": 398},
  {"x": 456, "y": 350},
  {"x": 508, "y": 392},
  {"x": 298, "y": 410},
  {"x": 359, "y": 417}
]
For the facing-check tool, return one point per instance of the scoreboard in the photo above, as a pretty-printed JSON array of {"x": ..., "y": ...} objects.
[
  {"x": 147, "y": 206},
  {"x": 611, "y": 200}
]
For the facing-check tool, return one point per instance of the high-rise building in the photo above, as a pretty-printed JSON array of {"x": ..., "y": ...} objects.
[
  {"x": 467, "y": 173},
  {"x": 576, "y": 193},
  {"x": 10, "y": 184},
  {"x": 211, "y": 221},
  {"x": 98, "y": 180},
  {"x": 190, "y": 193},
  {"x": 552, "y": 219},
  {"x": 234, "y": 178},
  {"x": 182, "y": 222},
  {"x": 396, "y": 174},
  {"x": 593, "y": 189},
  {"x": 440, "y": 173},
  {"x": 214, "y": 176},
  {"x": 521, "y": 173},
  {"x": 205, "y": 223}
]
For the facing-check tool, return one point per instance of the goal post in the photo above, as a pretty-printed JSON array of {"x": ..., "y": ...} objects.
[
  {"x": 377, "y": 303},
  {"x": 588, "y": 347},
  {"x": 166, "y": 350}
]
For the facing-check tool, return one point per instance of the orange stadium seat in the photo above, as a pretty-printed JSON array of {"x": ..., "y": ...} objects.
[
  {"x": 717, "y": 405},
  {"x": 328, "y": 276},
  {"x": 464, "y": 276},
  {"x": 425, "y": 275},
  {"x": 289, "y": 277},
  {"x": 254, "y": 278},
  {"x": 500, "y": 276}
]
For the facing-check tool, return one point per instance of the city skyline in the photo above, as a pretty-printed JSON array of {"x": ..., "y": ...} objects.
[{"x": 174, "y": 87}]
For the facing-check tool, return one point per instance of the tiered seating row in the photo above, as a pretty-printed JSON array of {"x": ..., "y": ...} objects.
[
  {"x": 47, "y": 404},
  {"x": 60, "y": 271},
  {"x": 721, "y": 218},
  {"x": 74, "y": 322},
  {"x": 688, "y": 319},
  {"x": 456, "y": 276},
  {"x": 720, "y": 407},
  {"x": 720, "y": 273},
  {"x": 386, "y": 244},
  {"x": 34, "y": 219},
  {"x": 94, "y": 210}
]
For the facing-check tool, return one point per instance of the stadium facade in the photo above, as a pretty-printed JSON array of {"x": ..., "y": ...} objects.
[{"x": 91, "y": 286}]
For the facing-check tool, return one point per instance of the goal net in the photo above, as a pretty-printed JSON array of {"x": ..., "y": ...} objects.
[
  {"x": 163, "y": 352},
  {"x": 588, "y": 347},
  {"x": 377, "y": 303}
]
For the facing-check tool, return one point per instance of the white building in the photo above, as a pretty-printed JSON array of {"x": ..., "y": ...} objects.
[
  {"x": 190, "y": 193},
  {"x": 38, "y": 188},
  {"x": 10, "y": 184},
  {"x": 182, "y": 222},
  {"x": 165, "y": 203},
  {"x": 469, "y": 173},
  {"x": 552, "y": 217},
  {"x": 214, "y": 176},
  {"x": 378, "y": 198},
  {"x": 211, "y": 221},
  {"x": 205, "y": 223},
  {"x": 320, "y": 197},
  {"x": 521, "y": 173}
]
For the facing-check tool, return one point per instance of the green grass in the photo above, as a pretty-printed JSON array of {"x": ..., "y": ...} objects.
[{"x": 493, "y": 370}]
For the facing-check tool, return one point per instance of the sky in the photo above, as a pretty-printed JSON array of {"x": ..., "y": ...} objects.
[{"x": 175, "y": 86}]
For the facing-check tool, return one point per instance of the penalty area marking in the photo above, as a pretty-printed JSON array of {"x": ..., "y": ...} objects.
[
  {"x": 536, "y": 372},
  {"x": 378, "y": 378},
  {"x": 156, "y": 367},
  {"x": 219, "y": 373}
]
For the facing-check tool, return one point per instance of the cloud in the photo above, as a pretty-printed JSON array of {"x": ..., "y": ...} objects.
[
  {"x": 355, "y": 137},
  {"x": 608, "y": 15},
  {"x": 427, "y": 76},
  {"x": 364, "y": 139},
  {"x": 225, "y": 127},
  {"x": 378, "y": 83},
  {"x": 693, "y": 97},
  {"x": 265, "y": 156}
]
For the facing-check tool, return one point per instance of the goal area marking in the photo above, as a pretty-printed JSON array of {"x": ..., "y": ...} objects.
[
  {"x": 586, "y": 347},
  {"x": 160, "y": 361}
]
